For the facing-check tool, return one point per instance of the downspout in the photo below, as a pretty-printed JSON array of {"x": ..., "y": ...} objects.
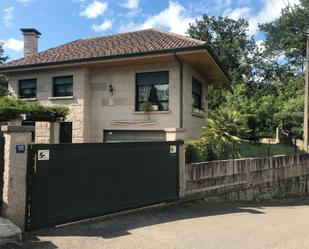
[{"x": 180, "y": 88}]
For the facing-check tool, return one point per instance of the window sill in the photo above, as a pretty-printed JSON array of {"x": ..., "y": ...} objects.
[
  {"x": 152, "y": 112},
  {"x": 60, "y": 98},
  {"x": 28, "y": 99}
]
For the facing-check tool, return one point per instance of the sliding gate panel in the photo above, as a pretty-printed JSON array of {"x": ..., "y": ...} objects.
[{"x": 70, "y": 182}]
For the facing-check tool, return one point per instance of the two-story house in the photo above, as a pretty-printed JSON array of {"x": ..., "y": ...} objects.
[{"x": 106, "y": 81}]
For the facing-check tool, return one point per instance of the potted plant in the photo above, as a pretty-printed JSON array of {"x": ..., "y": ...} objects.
[{"x": 147, "y": 108}]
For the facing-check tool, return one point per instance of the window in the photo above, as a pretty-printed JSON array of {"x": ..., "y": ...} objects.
[
  {"x": 196, "y": 94},
  {"x": 66, "y": 132},
  {"x": 27, "y": 88},
  {"x": 153, "y": 88},
  {"x": 63, "y": 86}
]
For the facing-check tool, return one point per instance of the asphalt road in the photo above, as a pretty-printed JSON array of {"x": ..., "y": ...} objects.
[{"x": 201, "y": 225}]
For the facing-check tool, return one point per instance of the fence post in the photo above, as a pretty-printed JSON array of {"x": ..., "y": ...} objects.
[{"x": 14, "y": 176}]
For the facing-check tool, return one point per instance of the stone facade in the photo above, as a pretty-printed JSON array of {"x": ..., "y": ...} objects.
[
  {"x": 93, "y": 108},
  {"x": 47, "y": 132},
  {"x": 14, "y": 175},
  {"x": 249, "y": 179}
]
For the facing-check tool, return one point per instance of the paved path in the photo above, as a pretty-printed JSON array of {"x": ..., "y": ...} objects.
[{"x": 275, "y": 224}]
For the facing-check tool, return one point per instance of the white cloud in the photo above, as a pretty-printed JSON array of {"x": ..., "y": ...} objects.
[
  {"x": 107, "y": 24},
  {"x": 8, "y": 16},
  {"x": 24, "y": 2},
  {"x": 269, "y": 11},
  {"x": 175, "y": 18},
  {"x": 238, "y": 12},
  {"x": 131, "y": 4},
  {"x": 14, "y": 45},
  {"x": 95, "y": 9}
]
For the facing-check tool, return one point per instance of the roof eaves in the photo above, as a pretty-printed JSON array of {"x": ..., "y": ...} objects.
[
  {"x": 93, "y": 59},
  {"x": 102, "y": 58}
]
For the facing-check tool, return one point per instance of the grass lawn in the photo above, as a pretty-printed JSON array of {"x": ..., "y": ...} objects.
[{"x": 248, "y": 149}]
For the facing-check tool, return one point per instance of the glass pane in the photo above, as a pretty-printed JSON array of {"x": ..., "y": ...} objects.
[
  {"x": 63, "y": 80},
  {"x": 196, "y": 86},
  {"x": 152, "y": 78},
  {"x": 162, "y": 92},
  {"x": 196, "y": 102},
  {"x": 27, "y": 84},
  {"x": 163, "y": 106},
  {"x": 61, "y": 89},
  {"x": 69, "y": 89},
  {"x": 143, "y": 93}
]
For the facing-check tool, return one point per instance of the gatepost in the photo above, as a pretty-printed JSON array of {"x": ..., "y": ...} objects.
[{"x": 14, "y": 176}]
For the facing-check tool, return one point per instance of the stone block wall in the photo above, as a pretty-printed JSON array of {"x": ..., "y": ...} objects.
[
  {"x": 249, "y": 179},
  {"x": 93, "y": 108}
]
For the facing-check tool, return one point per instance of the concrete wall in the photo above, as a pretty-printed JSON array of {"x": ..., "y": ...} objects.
[
  {"x": 249, "y": 179},
  {"x": 94, "y": 109}
]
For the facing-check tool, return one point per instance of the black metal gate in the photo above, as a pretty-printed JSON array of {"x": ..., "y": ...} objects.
[
  {"x": 70, "y": 182},
  {"x": 1, "y": 169}
]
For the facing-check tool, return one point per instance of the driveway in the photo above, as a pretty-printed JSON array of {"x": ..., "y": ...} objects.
[{"x": 200, "y": 225}]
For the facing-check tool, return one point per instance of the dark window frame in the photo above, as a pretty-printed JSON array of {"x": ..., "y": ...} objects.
[
  {"x": 137, "y": 85},
  {"x": 197, "y": 94},
  {"x": 66, "y": 85},
  {"x": 21, "y": 89}
]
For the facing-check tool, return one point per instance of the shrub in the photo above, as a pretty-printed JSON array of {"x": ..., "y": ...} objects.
[
  {"x": 198, "y": 151},
  {"x": 224, "y": 131},
  {"x": 10, "y": 108}
]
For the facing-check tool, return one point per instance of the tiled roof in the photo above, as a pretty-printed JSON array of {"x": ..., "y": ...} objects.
[{"x": 142, "y": 41}]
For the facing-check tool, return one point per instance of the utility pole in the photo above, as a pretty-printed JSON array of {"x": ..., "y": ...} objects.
[{"x": 306, "y": 96}]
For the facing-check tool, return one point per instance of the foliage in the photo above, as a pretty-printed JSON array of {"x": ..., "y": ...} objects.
[
  {"x": 286, "y": 36},
  {"x": 146, "y": 107},
  {"x": 235, "y": 49},
  {"x": 249, "y": 149},
  {"x": 3, "y": 79},
  {"x": 10, "y": 108},
  {"x": 198, "y": 151},
  {"x": 268, "y": 76},
  {"x": 224, "y": 130}
]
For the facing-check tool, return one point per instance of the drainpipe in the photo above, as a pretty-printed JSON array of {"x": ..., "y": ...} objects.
[{"x": 181, "y": 89}]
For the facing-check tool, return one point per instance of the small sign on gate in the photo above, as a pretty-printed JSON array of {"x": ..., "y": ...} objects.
[
  {"x": 173, "y": 149},
  {"x": 43, "y": 155}
]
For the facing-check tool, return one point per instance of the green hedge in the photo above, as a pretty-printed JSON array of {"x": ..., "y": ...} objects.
[
  {"x": 10, "y": 108},
  {"x": 198, "y": 151}
]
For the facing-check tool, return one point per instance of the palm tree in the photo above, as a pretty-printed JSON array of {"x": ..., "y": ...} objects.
[{"x": 224, "y": 130}]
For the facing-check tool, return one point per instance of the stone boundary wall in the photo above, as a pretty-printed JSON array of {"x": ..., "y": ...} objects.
[{"x": 249, "y": 179}]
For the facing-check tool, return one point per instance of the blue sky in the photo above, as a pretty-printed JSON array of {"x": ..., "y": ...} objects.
[{"x": 61, "y": 21}]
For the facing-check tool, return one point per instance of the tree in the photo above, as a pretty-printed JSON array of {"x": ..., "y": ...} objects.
[
  {"x": 286, "y": 36},
  {"x": 3, "y": 79},
  {"x": 229, "y": 39},
  {"x": 224, "y": 130}
]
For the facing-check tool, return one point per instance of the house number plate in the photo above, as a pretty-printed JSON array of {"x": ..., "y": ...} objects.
[
  {"x": 43, "y": 155},
  {"x": 173, "y": 149}
]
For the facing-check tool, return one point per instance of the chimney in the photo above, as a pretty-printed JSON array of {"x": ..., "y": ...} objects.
[{"x": 31, "y": 37}]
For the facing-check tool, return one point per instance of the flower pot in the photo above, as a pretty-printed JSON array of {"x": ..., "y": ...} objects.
[{"x": 155, "y": 107}]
